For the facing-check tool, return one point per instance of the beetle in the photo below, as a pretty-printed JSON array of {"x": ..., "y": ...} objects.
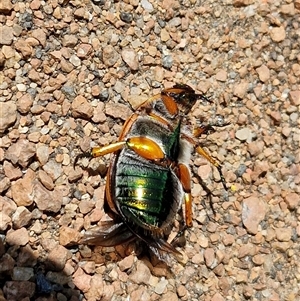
[{"x": 148, "y": 178}]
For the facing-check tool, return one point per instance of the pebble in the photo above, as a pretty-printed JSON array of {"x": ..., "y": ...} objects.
[
  {"x": 278, "y": 34},
  {"x": 253, "y": 212},
  {"x": 22, "y": 274},
  {"x": 110, "y": 56},
  {"x": 82, "y": 280},
  {"x": 21, "y": 152},
  {"x": 263, "y": 73},
  {"x": 68, "y": 236},
  {"x": 8, "y": 115},
  {"x": 19, "y": 290},
  {"x": 23, "y": 188},
  {"x": 295, "y": 97},
  {"x": 240, "y": 89},
  {"x": 6, "y": 35},
  {"x": 58, "y": 257},
  {"x": 81, "y": 108},
  {"x": 244, "y": 134},
  {"x": 141, "y": 274},
  {"x": 21, "y": 218},
  {"x": 130, "y": 57},
  {"x": 6, "y": 7},
  {"x": 17, "y": 237},
  {"x": 46, "y": 200}
]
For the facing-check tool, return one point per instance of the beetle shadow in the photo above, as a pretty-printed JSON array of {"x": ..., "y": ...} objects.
[
  {"x": 25, "y": 275},
  {"x": 159, "y": 264}
]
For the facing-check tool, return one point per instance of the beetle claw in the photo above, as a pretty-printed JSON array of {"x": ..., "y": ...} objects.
[{"x": 80, "y": 156}]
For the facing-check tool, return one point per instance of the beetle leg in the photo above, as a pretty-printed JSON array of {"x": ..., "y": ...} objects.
[
  {"x": 183, "y": 174},
  {"x": 100, "y": 151},
  {"x": 142, "y": 146},
  {"x": 203, "y": 129},
  {"x": 107, "y": 149},
  {"x": 145, "y": 148},
  {"x": 214, "y": 162}
]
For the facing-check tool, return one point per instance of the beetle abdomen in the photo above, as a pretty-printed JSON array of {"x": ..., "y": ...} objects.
[{"x": 144, "y": 190}]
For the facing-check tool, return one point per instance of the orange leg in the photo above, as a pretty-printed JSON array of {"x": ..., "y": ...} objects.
[
  {"x": 214, "y": 162},
  {"x": 183, "y": 174},
  {"x": 142, "y": 146}
]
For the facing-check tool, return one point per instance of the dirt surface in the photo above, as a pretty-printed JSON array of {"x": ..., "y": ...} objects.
[{"x": 73, "y": 71}]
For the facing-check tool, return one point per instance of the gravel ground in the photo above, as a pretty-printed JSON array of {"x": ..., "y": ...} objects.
[{"x": 71, "y": 72}]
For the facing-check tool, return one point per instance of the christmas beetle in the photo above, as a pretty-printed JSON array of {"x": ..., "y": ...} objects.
[{"x": 148, "y": 177}]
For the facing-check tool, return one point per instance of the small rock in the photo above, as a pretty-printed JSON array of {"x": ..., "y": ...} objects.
[
  {"x": 69, "y": 40},
  {"x": 84, "y": 50},
  {"x": 126, "y": 17},
  {"x": 210, "y": 258},
  {"x": 240, "y": 89},
  {"x": 81, "y": 108},
  {"x": 18, "y": 237},
  {"x": 12, "y": 172},
  {"x": 288, "y": 9},
  {"x": 46, "y": 180},
  {"x": 217, "y": 297},
  {"x": 19, "y": 290},
  {"x": 40, "y": 35},
  {"x": 161, "y": 286},
  {"x": 253, "y": 212},
  {"x": 8, "y": 114},
  {"x": 240, "y": 3},
  {"x": 24, "y": 47},
  {"x": 164, "y": 35},
  {"x": 86, "y": 206},
  {"x": 126, "y": 263},
  {"x": 22, "y": 189},
  {"x": 24, "y": 103},
  {"x": 58, "y": 257},
  {"x": 68, "y": 236},
  {"x": 110, "y": 56},
  {"x": 53, "y": 169},
  {"x": 45, "y": 200},
  {"x": 5, "y": 221},
  {"x": 278, "y": 34},
  {"x": 169, "y": 296},
  {"x": 22, "y": 274},
  {"x": 221, "y": 76},
  {"x": 283, "y": 234},
  {"x": 42, "y": 153},
  {"x": 5, "y": 7},
  {"x": 263, "y": 73},
  {"x": 294, "y": 97},
  {"x": 130, "y": 57},
  {"x": 7, "y": 264},
  {"x": 6, "y": 35},
  {"x": 167, "y": 61},
  {"x": 293, "y": 200},
  {"x": 255, "y": 148},
  {"x": 244, "y": 134},
  {"x": 21, "y": 152},
  {"x": 147, "y": 5},
  {"x": 21, "y": 218},
  {"x": 142, "y": 273},
  {"x": 82, "y": 280},
  {"x": 118, "y": 110}
]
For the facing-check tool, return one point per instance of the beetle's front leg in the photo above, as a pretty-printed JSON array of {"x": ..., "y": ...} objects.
[
  {"x": 100, "y": 151},
  {"x": 142, "y": 146}
]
